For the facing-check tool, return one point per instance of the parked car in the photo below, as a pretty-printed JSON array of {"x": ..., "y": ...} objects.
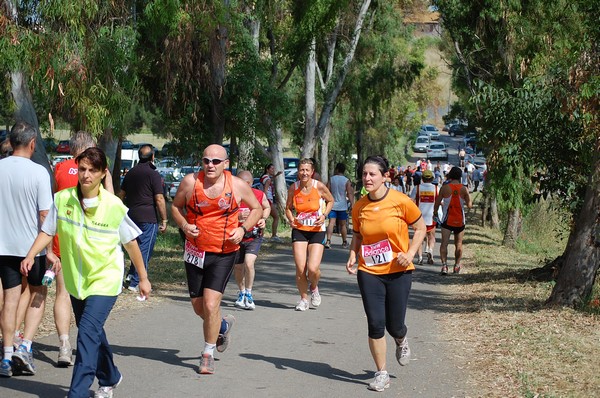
[
  {"x": 126, "y": 144},
  {"x": 461, "y": 130},
  {"x": 437, "y": 150},
  {"x": 60, "y": 158},
  {"x": 63, "y": 147},
  {"x": 49, "y": 144},
  {"x": 430, "y": 130},
  {"x": 166, "y": 165},
  {"x": 421, "y": 143}
]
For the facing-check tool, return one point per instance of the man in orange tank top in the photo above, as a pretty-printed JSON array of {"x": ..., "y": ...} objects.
[
  {"x": 453, "y": 197},
  {"x": 206, "y": 209}
]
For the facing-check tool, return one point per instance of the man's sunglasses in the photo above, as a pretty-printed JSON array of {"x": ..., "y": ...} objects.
[{"x": 215, "y": 162}]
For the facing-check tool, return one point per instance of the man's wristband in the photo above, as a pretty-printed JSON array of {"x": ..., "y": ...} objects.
[{"x": 244, "y": 228}]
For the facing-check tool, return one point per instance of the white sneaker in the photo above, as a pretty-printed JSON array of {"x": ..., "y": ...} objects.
[
  {"x": 239, "y": 303},
  {"x": 249, "y": 301},
  {"x": 315, "y": 299},
  {"x": 381, "y": 382},
  {"x": 302, "y": 305},
  {"x": 107, "y": 391},
  {"x": 403, "y": 352}
]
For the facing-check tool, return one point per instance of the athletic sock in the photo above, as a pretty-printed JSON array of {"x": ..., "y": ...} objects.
[
  {"x": 64, "y": 339},
  {"x": 209, "y": 349},
  {"x": 27, "y": 344},
  {"x": 8, "y": 352},
  {"x": 248, "y": 291}
]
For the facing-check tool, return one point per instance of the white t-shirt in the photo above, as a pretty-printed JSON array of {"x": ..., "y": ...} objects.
[
  {"x": 338, "y": 190},
  {"x": 128, "y": 231},
  {"x": 25, "y": 190}
]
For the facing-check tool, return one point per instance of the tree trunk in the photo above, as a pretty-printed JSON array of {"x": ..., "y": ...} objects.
[
  {"x": 489, "y": 215},
  {"x": 331, "y": 99},
  {"x": 310, "y": 108},
  {"x": 513, "y": 228},
  {"x": 110, "y": 145},
  {"x": 25, "y": 112},
  {"x": 325, "y": 155},
  {"x": 582, "y": 255},
  {"x": 219, "y": 43}
]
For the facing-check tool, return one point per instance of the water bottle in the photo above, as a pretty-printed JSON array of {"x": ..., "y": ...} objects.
[{"x": 48, "y": 277}]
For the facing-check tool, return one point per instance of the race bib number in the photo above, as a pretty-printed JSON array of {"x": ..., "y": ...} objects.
[
  {"x": 308, "y": 219},
  {"x": 192, "y": 255},
  {"x": 377, "y": 253}
]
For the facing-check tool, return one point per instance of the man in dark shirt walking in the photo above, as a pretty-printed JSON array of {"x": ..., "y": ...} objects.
[{"x": 142, "y": 193}]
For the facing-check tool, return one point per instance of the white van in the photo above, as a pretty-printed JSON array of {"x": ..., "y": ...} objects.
[{"x": 129, "y": 158}]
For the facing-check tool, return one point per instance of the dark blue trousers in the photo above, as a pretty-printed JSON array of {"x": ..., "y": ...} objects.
[
  {"x": 146, "y": 242},
  {"x": 94, "y": 356}
]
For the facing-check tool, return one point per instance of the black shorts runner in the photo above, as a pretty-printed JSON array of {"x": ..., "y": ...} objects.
[
  {"x": 10, "y": 271},
  {"x": 215, "y": 274},
  {"x": 311, "y": 237},
  {"x": 248, "y": 247},
  {"x": 456, "y": 230}
]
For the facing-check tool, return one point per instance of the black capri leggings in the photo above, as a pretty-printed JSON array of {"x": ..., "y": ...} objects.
[{"x": 385, "y": 298}]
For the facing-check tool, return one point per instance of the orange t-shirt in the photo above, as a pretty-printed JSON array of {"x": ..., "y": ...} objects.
[
  {"x": 216, "y": 218},
  {"x": 309, "y": 207},
  {"x": 65, "y": 175},
  {"x": 383, "y": 225}
]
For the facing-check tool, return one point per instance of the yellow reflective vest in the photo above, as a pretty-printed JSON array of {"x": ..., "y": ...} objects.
[{"x": 91, "y": 255}]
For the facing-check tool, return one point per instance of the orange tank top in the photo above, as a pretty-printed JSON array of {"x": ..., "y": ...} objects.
[
  {"x": 454, "y": 215},
  {"x": 309, "y": 207},
  {"x": 216, "y": 218}
]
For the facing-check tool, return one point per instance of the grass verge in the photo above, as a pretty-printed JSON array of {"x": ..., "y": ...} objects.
[{"x": 509, "y": 343}]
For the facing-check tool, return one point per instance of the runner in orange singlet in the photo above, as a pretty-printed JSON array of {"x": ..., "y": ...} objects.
[
  {"x": 206, "y": 209},
  {"x": 312, "y": 202},
  {"x": 381, "y": 245},
  {"x": 453, "y": 197}
]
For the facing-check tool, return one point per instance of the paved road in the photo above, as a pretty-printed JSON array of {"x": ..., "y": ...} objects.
[{"x": 276, "y": 351}]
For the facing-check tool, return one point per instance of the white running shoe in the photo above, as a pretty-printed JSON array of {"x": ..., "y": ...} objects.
[
  {"x": 302, "y": 305},
  {"x": 239, "y": 303},
  {"x": 381, "y": 382},
  {"x": 315, "y": 299}
]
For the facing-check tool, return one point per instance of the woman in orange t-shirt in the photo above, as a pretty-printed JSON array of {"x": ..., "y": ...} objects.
[
  {"x": 381, "y": 244},
  {"x": 312, "y": 202}
]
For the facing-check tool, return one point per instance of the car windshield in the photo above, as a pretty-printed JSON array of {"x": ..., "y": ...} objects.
[
  {"x": 431, "y": 128},
  {"x": 436, "y": 146}
]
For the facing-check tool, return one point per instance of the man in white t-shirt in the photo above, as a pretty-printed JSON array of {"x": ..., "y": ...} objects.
[
  {"x": 26, "y": 197},
  {"x": 342, "y": 191},
  {"x": 424, "y": 196}
]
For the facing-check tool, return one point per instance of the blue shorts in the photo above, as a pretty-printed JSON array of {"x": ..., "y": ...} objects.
[{"x": 339, "y": 214}]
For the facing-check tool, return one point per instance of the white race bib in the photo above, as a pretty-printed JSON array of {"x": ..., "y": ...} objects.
[
  {"x": 192, "y": 255},
  {"x": 377, "y": 253},
  {"x": 308, "y": 219}
]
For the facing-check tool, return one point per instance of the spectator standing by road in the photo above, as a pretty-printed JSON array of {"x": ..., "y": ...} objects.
[
  {"x": 381, "y": 245},
  {"x": 312, "y": 202},
  {"x": 476, "y": 178},
  {"x": 91, "y": 224},
  {"x": 453, "y": 197},
  {"x": 249, "y": 247},
  {"x": 206, "y": 208},
  {"x": 142, "y": 193},
  {"x": 341, "y": 189},
  {"x": 66, "y": 176},
  {"x": 268, "y": 182},
  {"x": 26, "y": 197}
]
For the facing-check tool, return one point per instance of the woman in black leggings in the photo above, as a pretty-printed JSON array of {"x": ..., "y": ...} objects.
[{"x": 381, "y": 245}]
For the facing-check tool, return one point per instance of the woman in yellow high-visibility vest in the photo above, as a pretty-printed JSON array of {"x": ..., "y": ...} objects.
[{"x": 91, "y": 224}]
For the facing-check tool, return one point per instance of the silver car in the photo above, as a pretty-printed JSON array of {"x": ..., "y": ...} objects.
[
  {"x": 437, "y": 150},
  {"x": 430, "y": 130},
  {"x": 421, "y": 144}
]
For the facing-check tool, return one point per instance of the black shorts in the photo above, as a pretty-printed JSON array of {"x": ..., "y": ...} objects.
[
  {"x": 456, "y": 230},
  {"x": 10, "y": 271},
  {"x": 311, "y": 237},
  {"x": 248, "y": 247},
  {"x": 215, "y": 274}
]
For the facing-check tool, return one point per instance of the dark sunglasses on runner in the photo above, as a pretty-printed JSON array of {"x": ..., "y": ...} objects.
[{"x": 215, "y": 162}]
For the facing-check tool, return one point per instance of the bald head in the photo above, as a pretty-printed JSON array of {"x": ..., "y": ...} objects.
[
  {"x": 246, "y": 176},
  {"x": 215, "y": 151}
]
